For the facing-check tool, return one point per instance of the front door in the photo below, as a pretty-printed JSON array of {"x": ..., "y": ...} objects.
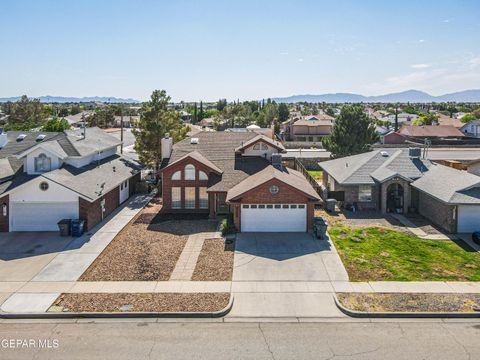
[{"x": 221, "y": 207}]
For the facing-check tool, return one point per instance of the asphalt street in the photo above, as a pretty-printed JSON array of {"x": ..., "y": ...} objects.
[{"x": 220, "y": 340}]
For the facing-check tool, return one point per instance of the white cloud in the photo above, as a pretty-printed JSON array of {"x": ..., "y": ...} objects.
[
  {"x": 300, "y": 60},
  {"x": 420, "y": 66},
  {"x": 474, "y": 62},
  {"x": 421, "y": 40}
]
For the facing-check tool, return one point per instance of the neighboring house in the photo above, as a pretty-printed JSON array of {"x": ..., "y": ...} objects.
[
  {"x": 403, "y": 117},
  {"x": 400, "y": 181},
  {"x": 447, "y": 120},
  {"x": 473, "y": 166},
  {"x": 80, "y": 118},
  {"x": 268, "y": 132},
  {"x": 238, "y": 173},
  {"x": 185, "y": 116},
  {"x": 128, "y": 121},
  {"x": 471, "y": 129},
  {"x": 46, "y": 177},
  {"x": 310, "y": 128},
  {"x": 408, "y": 133}
]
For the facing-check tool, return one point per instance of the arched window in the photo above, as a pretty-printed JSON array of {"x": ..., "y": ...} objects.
[
  {"x": 264, "y": 146},
  {"x": 189, "y": 172},
  {"x": 202, "y": 176},
  {"x": 177, "y": 175},
  {"x": 256, "y": 146},
  {"x": 43, "y": 163}
]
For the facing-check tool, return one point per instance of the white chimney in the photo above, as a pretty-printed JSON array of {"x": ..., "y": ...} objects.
[
  {"x": 3, "y": 139},
  {"x": 167, "y": 144}
]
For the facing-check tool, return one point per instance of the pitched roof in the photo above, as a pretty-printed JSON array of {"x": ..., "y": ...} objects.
[
  {"x": 366, "y": 168},
  {"x": 262, "y": 138},
  {"x": 198, "y": 157},
  {"x": 450, "y": 185},
  {"x": 441, "y": 131},
  {"x": 96, "y": 179},
  {"x": 95, "y": 140},
  {"x": 288, "y": 176}
]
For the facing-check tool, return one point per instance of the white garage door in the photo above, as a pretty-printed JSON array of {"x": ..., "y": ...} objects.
[
  {"x": 41, "y": 216},
  {"x": 468, "y": 218},
  {"x": 274, "y": 218}
]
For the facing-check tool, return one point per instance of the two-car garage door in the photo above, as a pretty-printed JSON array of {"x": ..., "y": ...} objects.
[
  {"x": 273, "y": 217},
  {"x": 42, "y": 216}
]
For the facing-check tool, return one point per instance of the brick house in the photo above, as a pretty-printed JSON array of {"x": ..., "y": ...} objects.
[
  {"x": 400, "y": 181},
  {"x": 219, "y": 173},
  {"x": 46, "y": 177}
]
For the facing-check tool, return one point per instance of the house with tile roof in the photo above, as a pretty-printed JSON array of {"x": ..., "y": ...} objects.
[
  {"x": 311, "y": 128},
  {"x": 49, "y": 176},
  {"x": 238, "y": 173},
  {"x": 402, "y": 181}
]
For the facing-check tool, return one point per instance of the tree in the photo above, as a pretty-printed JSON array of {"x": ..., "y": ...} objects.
[
  {"x": 221, "y": 104},
  {"x": 352, "y": 133},
  {"x": 156, "y": 121},
  {"x": 426, "y": 119},
  {"x": 56, "y": 125},
  {"x": 26, "y": 110},
  {"x": 200, "y": 114},
  {"x": 468, "y": 117},
  {"x": 103, "y": 117},
  {"x": 283, "y": 112}
]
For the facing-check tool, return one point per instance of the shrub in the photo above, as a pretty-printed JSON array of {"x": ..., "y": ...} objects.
[{"x": 227, "y": 226}]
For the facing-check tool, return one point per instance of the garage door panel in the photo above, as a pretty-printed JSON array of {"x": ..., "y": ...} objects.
[
  {"x": 41, "y": 216},
  {"x": 274, "y": 219},
  {"x": 468, "y": 218}
]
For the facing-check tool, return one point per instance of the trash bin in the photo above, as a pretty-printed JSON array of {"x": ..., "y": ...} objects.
[
  {"x": 319, "y": 227},
  {"x": 64, "y": 227},
  {"x": 330, "y": 205},
  {"x": 77, "y": 227}
]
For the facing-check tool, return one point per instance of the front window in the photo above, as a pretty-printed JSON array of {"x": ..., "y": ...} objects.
[
  {"x": 176, "y": 198},
  {"x": 202, "y": 176},
  {"x": 189, "y": 198},
  {"x": 203, "y": 198},
  {"x": 364, "y": 193},
  {"x": 189, "y": 172},
  {"x": 43, "y": 163},
  {"x": 177, "y": 175}
]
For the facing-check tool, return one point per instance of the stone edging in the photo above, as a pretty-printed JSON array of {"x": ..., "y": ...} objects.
[
  {"x": 406, "y": 315},
  {"x": 106, "y": 315}
]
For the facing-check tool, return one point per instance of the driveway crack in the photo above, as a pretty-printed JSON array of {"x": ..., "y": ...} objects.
[{"x": 266, "y": 342}]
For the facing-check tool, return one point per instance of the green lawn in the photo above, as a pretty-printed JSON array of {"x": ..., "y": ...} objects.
[
  {"x": 317, "y": 175},
  {"x": 380, "y": 254}
]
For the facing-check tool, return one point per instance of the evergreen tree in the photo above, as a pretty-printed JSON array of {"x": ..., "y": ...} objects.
[
  {"x": 156, "y": 121},
  {"x": 352, "y": 133}
]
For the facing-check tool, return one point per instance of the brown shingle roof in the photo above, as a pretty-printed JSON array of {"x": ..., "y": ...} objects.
[
  {"x": 200, "y": 158},
  {"x": 288, "y": 176},
  {"x": 441, "y": 131},
  {"x": 276, "y": 144}
]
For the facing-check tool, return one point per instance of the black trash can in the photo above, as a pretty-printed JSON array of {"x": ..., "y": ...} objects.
[
  {"x": 64, "y": 227},
  {"x": 319, "y": 227},
  {"x": 77, "y": 227}
]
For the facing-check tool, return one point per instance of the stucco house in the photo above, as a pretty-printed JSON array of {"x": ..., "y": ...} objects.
[
  {"x": 471, "y": 128},
  {"x": 400, "y": 181},
  {"x": 413, "y": 133},
  {"x": 238, "y": 173},
  {"x": 310, "y": 128},
  {"x": 49, "y": 176}
]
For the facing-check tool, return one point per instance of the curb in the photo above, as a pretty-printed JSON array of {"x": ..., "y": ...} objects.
[
  {"x": 119, "y": 315},
  {"x": 404, "y": 315}
]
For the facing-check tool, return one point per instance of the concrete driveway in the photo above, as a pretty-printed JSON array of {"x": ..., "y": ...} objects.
[{"x": 285, "y": 275}]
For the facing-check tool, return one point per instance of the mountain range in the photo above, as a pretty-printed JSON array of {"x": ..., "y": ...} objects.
[
  {"x": 414, "y": 96},
  {"x": 62, "y": 99}
]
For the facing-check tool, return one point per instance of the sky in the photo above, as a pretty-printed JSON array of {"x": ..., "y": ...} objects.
[{"x": 206, "y": 50}]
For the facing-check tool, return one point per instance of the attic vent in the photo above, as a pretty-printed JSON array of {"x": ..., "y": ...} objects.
[
  {"x": 384, "y": 153},
  {"x": 40, "y": 137},
  {"x": 194, "y": 141},
  {"x": 21, "y": 137}
]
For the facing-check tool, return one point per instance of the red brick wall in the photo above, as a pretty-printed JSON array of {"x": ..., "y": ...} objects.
[
  {"x": 168, "y": 183},
  {"x": 91, "y": 212},
  {"x": 286, "y": 195},
  {"x": 4, "y": 225}
]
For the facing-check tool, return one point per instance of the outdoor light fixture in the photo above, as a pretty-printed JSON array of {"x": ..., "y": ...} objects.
[{"x": 4, "y": 209}]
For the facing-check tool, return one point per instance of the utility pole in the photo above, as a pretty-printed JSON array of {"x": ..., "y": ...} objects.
[{"x": 121, "y": 129}]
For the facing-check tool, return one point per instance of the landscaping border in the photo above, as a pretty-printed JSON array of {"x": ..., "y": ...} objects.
[
  {"x": 404, "y": 315},
  {"x": 116, "y": 315}
]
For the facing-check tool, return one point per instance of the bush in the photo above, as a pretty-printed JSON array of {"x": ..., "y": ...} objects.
[{"x": 227, "y": 226}]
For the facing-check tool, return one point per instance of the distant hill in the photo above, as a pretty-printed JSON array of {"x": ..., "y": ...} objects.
[
  {"x": 62, "y": 99},
  {"x": 404, "y": 96}
]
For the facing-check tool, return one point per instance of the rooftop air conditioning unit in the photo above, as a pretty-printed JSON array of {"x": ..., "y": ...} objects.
[
  {"x": 414, "y": 152},
  {"x": 21, "y": 137},
  {"x": 194, "y": 141}
]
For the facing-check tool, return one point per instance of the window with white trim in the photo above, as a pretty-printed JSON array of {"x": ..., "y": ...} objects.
[
  {"x": 364, "y": 193},
  {"x": 202, "y": 198},
  {"x": 189, "y": 172},
  {"x": 189, "y": 198},
  {"x": 176, "y": 198},
  {"x": 202, "y": 175},
  {"x": 177, "y": 175}
]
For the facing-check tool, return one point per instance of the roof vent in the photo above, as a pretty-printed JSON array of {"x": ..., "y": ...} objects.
[
  {"x": 384, "y": 153},
  {"x": 194, "y": 141},
  {"x": 21, "y": 137},
  {"x": 40, "y": 137}
]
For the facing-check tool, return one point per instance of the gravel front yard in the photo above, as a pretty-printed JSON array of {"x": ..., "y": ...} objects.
[
  {"x": 392, "y": 302},
  {"x": 215, "y": 262},
  {"x": 143, "y": 302},
  {"x": 145, "y": 250}
]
